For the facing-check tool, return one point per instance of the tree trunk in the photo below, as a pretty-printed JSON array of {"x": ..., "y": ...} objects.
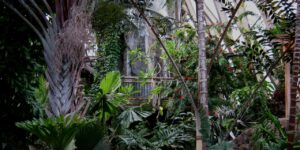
[
  {"x": 294, "y": 81},
  {"x": 202, "y": 71}
]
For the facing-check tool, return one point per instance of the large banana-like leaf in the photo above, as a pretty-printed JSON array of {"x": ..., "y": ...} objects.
[
  {"x": 91, "y": 137},
  {"x": 111, "y": 82},
  {"x": 107, "y": 98}
]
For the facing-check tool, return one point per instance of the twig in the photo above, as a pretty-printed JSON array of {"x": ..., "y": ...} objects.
[
  {"x": 189, "y": 12},
  {"x": 39, "y": 34},
  {"x": 216, "y": 51}
]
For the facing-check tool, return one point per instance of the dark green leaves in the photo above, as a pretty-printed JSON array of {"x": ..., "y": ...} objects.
[{"x": 57, "y": 132}]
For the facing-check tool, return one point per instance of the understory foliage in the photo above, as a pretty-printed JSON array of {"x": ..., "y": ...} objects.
[
  {"x": 20, "y": 67},
  {"x": 232, "y": 83},
  {"x": 129, "y": 127},
  {"x": 58, "y": 132}
]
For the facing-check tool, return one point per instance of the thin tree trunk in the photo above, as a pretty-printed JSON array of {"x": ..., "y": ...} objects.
[
  {"x": 294, "y": 80},
  {"x": 202, "y": 71}
]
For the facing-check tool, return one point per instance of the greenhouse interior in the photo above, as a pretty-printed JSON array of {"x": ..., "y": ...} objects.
[{"x": 150, "y": 74}]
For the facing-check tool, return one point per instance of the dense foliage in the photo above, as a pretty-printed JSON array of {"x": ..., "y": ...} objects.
[
  {"x": 20, "y": 67},
  {"x": 240, "y": 98}
]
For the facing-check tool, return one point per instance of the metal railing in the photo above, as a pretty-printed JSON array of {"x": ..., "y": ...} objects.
[{"x": 143, "y": 88}]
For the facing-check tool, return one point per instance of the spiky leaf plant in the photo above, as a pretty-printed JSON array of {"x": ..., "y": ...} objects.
[
  {"x": 58, "y": 132},
  {"x": 40, "y": 98}
]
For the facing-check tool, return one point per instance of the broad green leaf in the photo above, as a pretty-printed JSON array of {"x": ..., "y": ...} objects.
[
  {"x": 131, "y": 115},
  {"x": 111, "y": 82},
  {"x": 71, "y": 145},
  {"x": 222, "y": 146}
]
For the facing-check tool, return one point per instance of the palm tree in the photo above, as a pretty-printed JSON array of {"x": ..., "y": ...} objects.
[
  {"x": 63, "y": 34},
  {"x": 294, "y": 81},
  {"x": 202, "y": 72}
]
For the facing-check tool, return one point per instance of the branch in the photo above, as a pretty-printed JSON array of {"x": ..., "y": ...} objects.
[
  {"x": 190, "y": 13},
  {"x": 46, "y": 40},
  {"x": 25, "y": 20},
  {"x": 216, "y": 51},
  {"x": 41, "y": 12},
  {"x": 34, "y": 16}
]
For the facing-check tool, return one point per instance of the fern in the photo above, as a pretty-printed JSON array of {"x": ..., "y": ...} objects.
[{"x": 40, "y": 98}]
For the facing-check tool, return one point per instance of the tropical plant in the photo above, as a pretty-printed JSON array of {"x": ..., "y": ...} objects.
[
  {"x": 92, "y": 136},
  {"x": 177, "y": 135},
  {"x": 222, "y": 146},
  {"x": 40, "y": 99},
  {"x": 58, "y": 132},
  {"x": 171, "y": 136},
  {"x": 108, "y": 98},
  {"x": 279, "y": 12},
  {"x": 132, "y": 139},
  {"x": 131, "y": 115},
  {"x": 64, "y": 49},
  {"x": 269, "y": 134},
  {"x": 21, "y": 64},
  {"x": 109, "y": 22}
]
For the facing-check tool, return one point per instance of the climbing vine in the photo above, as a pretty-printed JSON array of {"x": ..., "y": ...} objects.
[{"x": 109, "y": 23}]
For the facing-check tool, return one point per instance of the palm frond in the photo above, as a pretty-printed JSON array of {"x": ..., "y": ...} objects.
[{"x": 111, "y": 82}]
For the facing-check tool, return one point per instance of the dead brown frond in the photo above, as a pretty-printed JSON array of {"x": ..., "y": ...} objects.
[
  {"x": 64, "y": 35},
  {"x": 70, "y": 48}
]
